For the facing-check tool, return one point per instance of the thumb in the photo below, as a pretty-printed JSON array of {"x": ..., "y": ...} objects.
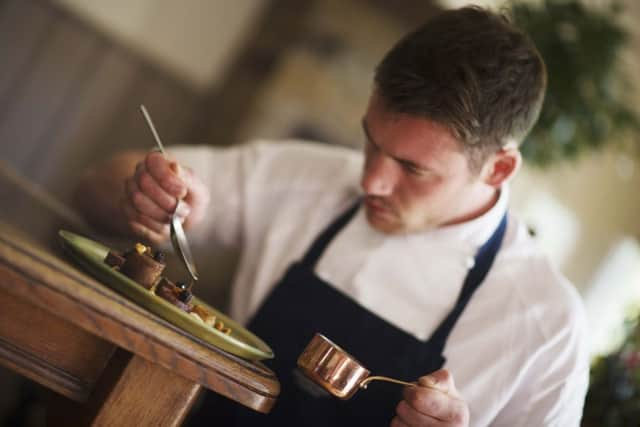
[
  {"x": 184, "y": 174},
  {"x": 440, "y": 380}
]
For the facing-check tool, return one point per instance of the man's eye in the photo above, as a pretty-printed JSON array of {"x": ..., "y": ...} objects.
[{"x": 413, "y": 170}]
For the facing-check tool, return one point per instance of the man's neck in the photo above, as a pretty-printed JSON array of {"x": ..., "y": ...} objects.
[{"x": 484, "y": 202}]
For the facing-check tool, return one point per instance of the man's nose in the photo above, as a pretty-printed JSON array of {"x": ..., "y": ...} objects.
[{"x": 378, "y": 176}]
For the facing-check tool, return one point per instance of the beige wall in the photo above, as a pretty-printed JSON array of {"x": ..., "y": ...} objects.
[
  {"x": 599, "y": 192},
  {"x": 192, "y": 38}
]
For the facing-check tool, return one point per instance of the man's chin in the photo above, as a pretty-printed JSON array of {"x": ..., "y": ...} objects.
[{"x": 389, "y": 224}]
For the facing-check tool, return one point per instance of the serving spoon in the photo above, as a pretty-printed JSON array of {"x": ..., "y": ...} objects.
[{"x": 178, "y": 237}]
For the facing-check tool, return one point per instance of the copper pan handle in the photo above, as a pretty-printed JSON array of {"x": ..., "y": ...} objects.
[{"x": 367, "y": 380}]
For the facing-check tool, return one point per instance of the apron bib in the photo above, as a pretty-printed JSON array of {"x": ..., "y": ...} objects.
[{"x": 302, "y": 304}]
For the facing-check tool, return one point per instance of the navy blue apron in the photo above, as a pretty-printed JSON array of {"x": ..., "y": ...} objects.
[{"x": 302, "y": 304}]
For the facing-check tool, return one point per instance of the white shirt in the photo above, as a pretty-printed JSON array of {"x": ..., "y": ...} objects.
[{"x": 518, "y": 353}]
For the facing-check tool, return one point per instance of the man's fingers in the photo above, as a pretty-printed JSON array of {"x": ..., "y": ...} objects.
[
  {"x": 148, "y": 185},
  {"x": 167, "y": 174},
  {"x": 143, "y": 204},
  {"x": 434, "y": 403},
  {"x": 161, "y": 228},
  {"x": 197, "y": 198},
  {"x": 408, "y": 416},
  {"x": 161, "y": 188},
  {"x": 139, "y": 229},
  {"x": 152, "y": 196},
  {"x": 440, "y": 380}
]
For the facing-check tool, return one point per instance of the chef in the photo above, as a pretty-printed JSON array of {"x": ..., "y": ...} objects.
[{"x": 405, "y": 255}]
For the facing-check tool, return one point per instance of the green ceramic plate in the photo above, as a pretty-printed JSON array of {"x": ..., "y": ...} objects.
[{"x": 90, "y": 255}]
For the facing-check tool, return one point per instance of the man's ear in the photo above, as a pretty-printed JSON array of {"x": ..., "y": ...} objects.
[{"x": 502, "y": 166}]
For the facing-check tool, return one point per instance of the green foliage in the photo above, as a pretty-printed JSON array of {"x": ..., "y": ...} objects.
[
  {"x": 613, "y": 399},
  {"x": 583, "y": 109}
]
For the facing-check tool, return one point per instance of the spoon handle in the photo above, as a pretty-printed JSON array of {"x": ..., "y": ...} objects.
[
  {"x": 178, "y": 237},
  {"x": 157, "y": 138},
  {"x": 153, "y": 130},
  {"x": 367, "y": 380}
]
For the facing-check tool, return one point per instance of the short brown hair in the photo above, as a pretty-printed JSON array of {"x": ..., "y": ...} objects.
[{"x": 470, "y": 70}]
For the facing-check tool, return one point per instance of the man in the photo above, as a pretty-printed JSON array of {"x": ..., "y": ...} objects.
[{"x": 408, "y": 260}]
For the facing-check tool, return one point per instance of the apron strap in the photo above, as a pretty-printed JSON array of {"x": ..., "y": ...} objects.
[
  {"x": 319, "y": 245},
  {"x": 483, "y": 261}
]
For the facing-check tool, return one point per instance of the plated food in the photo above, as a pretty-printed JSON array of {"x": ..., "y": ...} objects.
[
  {"x": 162, "y": 297},
  {"x": 145, "y": 267}
]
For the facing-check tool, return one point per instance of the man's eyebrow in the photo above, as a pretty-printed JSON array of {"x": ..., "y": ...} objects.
[
  {"x": 365, "y": 129},
  {"x": 400, "y": 160}
]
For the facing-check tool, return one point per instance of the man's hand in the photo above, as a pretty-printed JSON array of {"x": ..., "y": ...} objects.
[
  {"x": 152, "y": 194},
  {"x": 435, "y": 402}
]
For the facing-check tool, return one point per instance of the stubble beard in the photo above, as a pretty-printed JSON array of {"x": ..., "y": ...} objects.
[
  {"x": 382, "y": 215},
  {"x": 388, "y": 219}
]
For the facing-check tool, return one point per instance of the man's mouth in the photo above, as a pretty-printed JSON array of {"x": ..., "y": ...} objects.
[{"x": 377, "y": 205}]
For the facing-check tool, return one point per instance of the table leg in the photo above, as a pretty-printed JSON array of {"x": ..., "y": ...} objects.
[{"x": 134, "y": 392}]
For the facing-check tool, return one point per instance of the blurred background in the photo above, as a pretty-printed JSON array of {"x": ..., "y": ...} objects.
[{"x": 224, "y": 72}]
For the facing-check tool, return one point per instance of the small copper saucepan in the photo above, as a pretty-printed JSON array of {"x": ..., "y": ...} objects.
[{"x": 335, "y": 370}]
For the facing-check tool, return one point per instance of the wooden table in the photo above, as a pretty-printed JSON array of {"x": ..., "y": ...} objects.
[{"x": 68, "y": 332}]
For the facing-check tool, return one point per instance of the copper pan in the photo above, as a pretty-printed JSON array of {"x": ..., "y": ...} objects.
[{"x": 335, "y": 370}]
